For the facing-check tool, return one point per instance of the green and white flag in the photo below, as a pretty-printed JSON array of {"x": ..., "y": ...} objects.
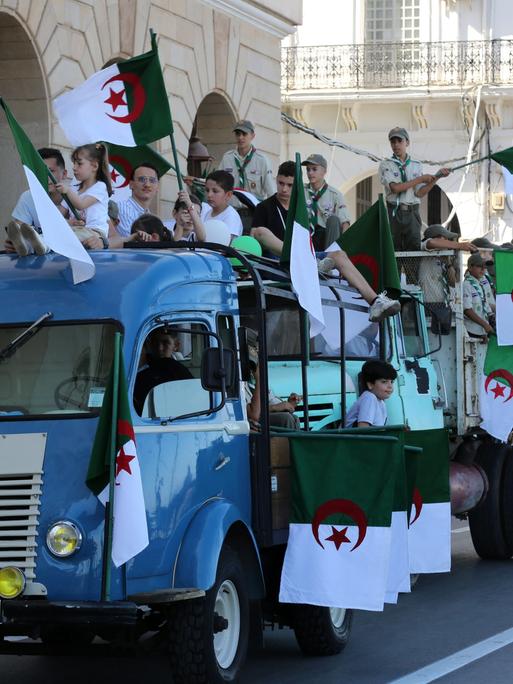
[
  {"x": 299, "y": 253},
  {"x": 130, "y": 530},
  {"x": 57, "y": 233},
  {"x": 496, "y": 392},
  {"x": 398, "y": 580},
  {"x": 342, "y": 492},
  {"x": 123, "y": 160},
  {"x": 125, "y": 104},
  {"x": 504, "y": 298},
  {"x": 429, "y": 535}
]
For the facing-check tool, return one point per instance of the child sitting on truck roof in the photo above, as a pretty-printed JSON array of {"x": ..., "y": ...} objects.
[{"x": 369, "y": 409}]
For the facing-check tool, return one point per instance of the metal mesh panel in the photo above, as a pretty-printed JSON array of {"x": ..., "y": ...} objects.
[{"x": 435, "y": 272}]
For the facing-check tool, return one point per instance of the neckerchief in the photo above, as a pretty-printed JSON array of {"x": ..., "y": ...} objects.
[
  {"x": 241, "y": 167},
  {"x": 402, "y": 166},
  {"x": 313, "y": 207},
  {"x": 479, "y": 289}
]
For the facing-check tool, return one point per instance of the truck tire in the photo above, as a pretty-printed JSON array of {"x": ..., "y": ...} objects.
[
  {"x": 486, "y": 520},
  {"x": 321, "y": 631},
  {"x": 208, "y": 638},
  {"x": 507, "y": 498}
]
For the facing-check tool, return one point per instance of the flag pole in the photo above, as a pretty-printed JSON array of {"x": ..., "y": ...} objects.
[
  {"x": 65, "y": 197},
  {"x": 381, "y": 278},
  {"x": 109, "y": 508},
  {"x": 153, "y": 37},
  {"x": 476, "y": 161}
]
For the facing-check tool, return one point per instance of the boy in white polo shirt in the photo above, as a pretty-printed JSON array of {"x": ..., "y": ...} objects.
[{"x": 369, "y": 409}]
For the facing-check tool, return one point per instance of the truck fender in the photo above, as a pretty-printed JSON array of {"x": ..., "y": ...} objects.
[{"x": 216, "y": 523}]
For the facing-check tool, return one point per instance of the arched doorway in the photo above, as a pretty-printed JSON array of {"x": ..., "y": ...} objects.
[
  {"x": 213, "y": 126},
  {"x": 22, "y": 87}
]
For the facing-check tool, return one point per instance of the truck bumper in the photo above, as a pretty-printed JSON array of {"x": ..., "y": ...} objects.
[{"x": 17, "y": 615}]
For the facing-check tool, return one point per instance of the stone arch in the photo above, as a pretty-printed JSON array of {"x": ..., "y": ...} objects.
[
  {"x": 214, "y": 123},
  {"x": 23, "y": 86}
]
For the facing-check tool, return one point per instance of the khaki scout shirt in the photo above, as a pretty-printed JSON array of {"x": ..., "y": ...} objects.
[
  {"x": 258, "y": 173},
  {"x": 389, "y": 172},
  {"x": 332, "y": 202}
]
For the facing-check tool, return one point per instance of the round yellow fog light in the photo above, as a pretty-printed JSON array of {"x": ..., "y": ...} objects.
[
  {"x": 12, "y": 582},
  {"x": 63, "y": 538}
]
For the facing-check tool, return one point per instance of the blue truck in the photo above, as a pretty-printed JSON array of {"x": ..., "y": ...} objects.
[{"x": 216, "y": 492}]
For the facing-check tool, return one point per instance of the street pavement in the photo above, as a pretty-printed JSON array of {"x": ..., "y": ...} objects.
[{"x": 447, "y": 614}]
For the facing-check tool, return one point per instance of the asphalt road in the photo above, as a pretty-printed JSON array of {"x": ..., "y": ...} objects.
[{"x": 443, "y": 616}]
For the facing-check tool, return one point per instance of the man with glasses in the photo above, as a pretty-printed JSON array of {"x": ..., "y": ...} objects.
[{"x": 144, "y": 183}]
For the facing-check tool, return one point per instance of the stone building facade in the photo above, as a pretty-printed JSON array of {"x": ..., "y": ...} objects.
[{"x": 220, "y": 58}]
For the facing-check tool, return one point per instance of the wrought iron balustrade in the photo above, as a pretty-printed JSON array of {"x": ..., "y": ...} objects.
[{"x": 396, "y": 65}]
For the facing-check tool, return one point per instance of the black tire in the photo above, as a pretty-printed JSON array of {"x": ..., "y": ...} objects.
[
  {"x": 486, "y": 520},
  {"x": 196, "y": 658},
  {"x": 316, "y": 633},
  {"x": 507, "y": 499}
]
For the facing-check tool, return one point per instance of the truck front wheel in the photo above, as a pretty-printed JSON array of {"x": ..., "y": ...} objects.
[
  {"x": 487, "y": 521},
  {"x": 208, "y": 638},
  {"x": 321, "y": 631}
]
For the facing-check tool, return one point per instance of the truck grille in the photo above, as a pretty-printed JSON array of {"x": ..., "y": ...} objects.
[{"x": 19, "y": 513}]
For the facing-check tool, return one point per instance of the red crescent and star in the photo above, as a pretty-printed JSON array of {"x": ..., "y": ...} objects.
[
  {"x": 123, "y": 462},
  {"x": 116, "y": 100},
  {"x": 417, "y": 502},
  {"x": 126, "y": 170},
  {"x": 339, "y": 537},
  {"x": 498, "y": 390},
  {"x": 368, "y": 262}
]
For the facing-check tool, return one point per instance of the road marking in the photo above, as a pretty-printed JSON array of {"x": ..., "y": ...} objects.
[
  {"x": 460, "y": 529},
  {"x": 458, "y": 660}
]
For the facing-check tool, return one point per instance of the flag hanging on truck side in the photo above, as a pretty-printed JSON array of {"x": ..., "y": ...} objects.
[
  {"x": 130, "y": 529},
  {"x": 338, "y": 550},
  {"x": 496, "y": 392},
  {"x": 504, "y": 297},
  {"x": 299, "y": 253},
  {"x": 125, "y": 104},
  {"x": 57, "y": 233}
]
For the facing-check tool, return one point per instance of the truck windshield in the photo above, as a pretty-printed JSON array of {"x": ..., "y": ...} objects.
[{"x": 61, "y": 370}]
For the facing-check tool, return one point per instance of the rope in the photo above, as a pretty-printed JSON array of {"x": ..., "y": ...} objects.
[{"x": 362, "y": 153}]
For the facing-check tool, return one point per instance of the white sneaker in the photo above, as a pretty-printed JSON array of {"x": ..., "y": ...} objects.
[
  {"x": 15, "y": 236},
  {"x": 325, "y": 265},
  {"x": 382, "y": 307},
  {"x": 34, "y": 239}
]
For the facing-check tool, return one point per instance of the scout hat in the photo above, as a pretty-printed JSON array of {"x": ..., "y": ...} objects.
[
  {"x": 399, "y": 132},
  {"x": 475, "y": 260},
  {"x": 483, "y": 243},
  {"x": 245, "y": 126},
  {"x": 437, "y": 230},
  {"x": 316, "y": 159}
]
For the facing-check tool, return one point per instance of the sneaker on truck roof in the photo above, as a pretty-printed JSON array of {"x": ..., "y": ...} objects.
[{"x": 382, "y": 307}]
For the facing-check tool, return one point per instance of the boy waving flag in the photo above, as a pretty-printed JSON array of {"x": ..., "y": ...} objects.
[
  {"x": 298, "y": 251},
  {"x": 125, "y": 104},
  {"x": 57, "y": 234}
]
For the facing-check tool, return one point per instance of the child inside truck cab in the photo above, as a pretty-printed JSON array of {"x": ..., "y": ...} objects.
[{"x": 369, "y": 409}]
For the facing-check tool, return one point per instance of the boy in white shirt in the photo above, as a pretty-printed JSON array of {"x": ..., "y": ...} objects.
[
  {"x": 369, "y": 410},
  {"x": 219, "y": 190}
]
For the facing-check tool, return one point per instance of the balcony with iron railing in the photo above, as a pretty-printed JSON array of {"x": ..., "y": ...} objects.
[{"x": 397, "y": 65}]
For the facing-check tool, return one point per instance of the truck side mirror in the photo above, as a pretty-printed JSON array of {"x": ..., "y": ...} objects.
[{"x": 217, "y": 369}]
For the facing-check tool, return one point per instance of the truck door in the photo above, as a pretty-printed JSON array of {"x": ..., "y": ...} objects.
[
  {"x": 190, "y": 453},
  {"x": 417, "y": 381}
]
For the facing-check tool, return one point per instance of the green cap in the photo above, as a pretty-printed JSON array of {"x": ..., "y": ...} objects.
[
  {"x": 399, "y": 132},
  {"x": 316, "y": 159}
]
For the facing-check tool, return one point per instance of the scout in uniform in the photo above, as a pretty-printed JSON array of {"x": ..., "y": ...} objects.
[
  {"x": 323, "y": 201},
  {"x": 250, "y": 168},
  {"x": 405, "y": 184}
]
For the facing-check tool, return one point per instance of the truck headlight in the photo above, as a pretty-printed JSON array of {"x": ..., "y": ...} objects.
[
  {"x": 63, "y": 538},
  {"x": 12, "y": 582}
]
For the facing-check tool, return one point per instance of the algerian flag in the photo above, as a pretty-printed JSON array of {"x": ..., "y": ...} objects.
[
  {"x": 125, "y": 104},
  {"x": 429, "y": 535},
  {"x": 496, "y": 392},
  {"x": 504, "y": 298},
  {"x": 398, "y": 579},
  {"x": 130, "y": 530},
  {"x": 298, "y": 251},
  {"x": 368, "y": 244},
  {"x": 123, "y": 160},
  {"x": 342, "y": 490},
  {"x": 57, "y": 233}
]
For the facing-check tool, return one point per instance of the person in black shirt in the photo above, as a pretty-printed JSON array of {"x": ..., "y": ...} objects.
[
  {"x": 270, "y": 215},
  {"x": 160, "y": 366}
]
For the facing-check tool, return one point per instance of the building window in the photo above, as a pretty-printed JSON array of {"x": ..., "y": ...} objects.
[
  {"x": 392, "y": 21},
  {"x": 363, "y": 196}
]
